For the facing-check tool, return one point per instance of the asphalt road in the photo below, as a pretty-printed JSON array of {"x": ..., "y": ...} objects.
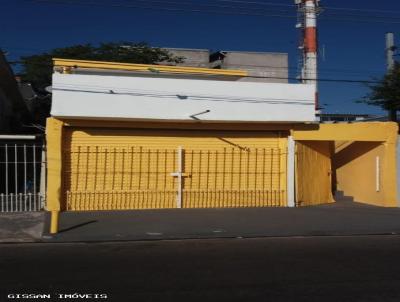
[{"x": 353, "y": 268}]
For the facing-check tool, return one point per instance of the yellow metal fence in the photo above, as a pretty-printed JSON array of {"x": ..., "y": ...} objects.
[{"x": 135, "y": 177}]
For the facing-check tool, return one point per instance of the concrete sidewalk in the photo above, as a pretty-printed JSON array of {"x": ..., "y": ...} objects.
[
  {"x": 341, "y": 219},
  {"x": 21, "y": 227}
]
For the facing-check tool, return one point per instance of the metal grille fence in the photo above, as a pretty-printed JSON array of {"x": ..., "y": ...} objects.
[
  {"x": 135, "y": 177},
  {"x": 22, "y": 176}
]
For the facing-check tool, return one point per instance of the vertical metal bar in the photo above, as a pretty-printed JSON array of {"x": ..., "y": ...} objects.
[
  {"x": 77, "y": 168},
  {"x": 87, "y": 167},
  {"x": 16, "y": 168},
  {"x": 96, "y": 169},
  {"x": 165, "y": 168},
  {"x": 25, "y": 169},
  {"x": 200, "y": 169},
  {"x": 148, "y": 168},
  {"x": 34, "y": 173},
  {"x": 2, "y": 201},
  {"x": 123, "y": 168},
  {"x": 223, "y": 170},
  {"x": 279, "y": 169},
  {"x": 25, "y": 202},
  {"x": 157, "y": 168},
  {"x": 223, "y": 179},
  {"x": 179, "y": 195},
  {"x": 248, "y": 169},
  {"x": 43, "y": 178},
  {"x": 263, "y": 170},
  {"x": 105, "y": 170},
  {"x": 240, "y": 170},
  {"x": 132, "y": 163},
  {"x": 272, "y": 169},
  {"x": 35, "y": 202},
  {"x": 216, "y": 170},
  {"x": 6, "y": 170},
  {"x": 232, "y": 167},
  {"x": 114, "y": 164},
  {"x": 255, "y": 169},
  {"x": 30, "y": 201},
  {"x": 191, "y": 170},
  {"x": 208, "y": 170},
  {"x": 140, "y": 166}
]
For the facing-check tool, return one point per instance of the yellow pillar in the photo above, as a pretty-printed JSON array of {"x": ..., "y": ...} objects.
[
  {"x": 54, "y": 137},
  {"x": 54, "y": 222}
]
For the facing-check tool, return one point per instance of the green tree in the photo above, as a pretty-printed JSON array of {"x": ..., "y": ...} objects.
[
  {"x": 386, "y": 93},
  {"x": 37, "y": 69}
]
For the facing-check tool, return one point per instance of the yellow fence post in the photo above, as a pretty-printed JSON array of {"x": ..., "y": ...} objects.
[{"x": 54, "y": 129}]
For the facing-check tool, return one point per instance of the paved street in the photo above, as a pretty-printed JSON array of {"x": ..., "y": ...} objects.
[{"x": 358, "y": 268}]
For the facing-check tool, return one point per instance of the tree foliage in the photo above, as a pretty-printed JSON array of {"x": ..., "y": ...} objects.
[
  {"x": 386, "y": 93},
  {"x": 37, "y": 69}
]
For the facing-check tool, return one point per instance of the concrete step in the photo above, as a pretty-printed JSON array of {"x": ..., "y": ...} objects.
[{"x": 339, "y": 196}]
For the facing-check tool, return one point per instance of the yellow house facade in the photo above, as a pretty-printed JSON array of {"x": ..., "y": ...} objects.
[{"x": 123, "y": 137}]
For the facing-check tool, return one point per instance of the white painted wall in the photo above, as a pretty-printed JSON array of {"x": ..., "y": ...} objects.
[{"x": 143, "y": 98}]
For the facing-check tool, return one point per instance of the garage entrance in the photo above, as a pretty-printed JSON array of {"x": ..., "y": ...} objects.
[{"x": 161, "y": 169}]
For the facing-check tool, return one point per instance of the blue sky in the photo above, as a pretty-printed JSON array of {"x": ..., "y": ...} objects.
[{"x": 353, "y": 50}]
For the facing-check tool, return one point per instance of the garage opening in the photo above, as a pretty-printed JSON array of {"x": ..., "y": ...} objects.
[{"x": 329, "y": 171}]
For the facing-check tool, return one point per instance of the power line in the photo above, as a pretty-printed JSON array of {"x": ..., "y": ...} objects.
[
  {"x": 369, "y": 19},
  {"x": 324, "y": 7},
  {"x": 202, "y": 5},
  {"x": 255, "y": 2},
  {"x": 161, "y": 8},
  {"x": 255, "y": 8}
]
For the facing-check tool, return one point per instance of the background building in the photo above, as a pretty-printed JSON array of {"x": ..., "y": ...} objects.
[
  {"x": 261, "y": 66},
  {"x": 266, "y": 67},
  {"x": 191, "y": 57}
]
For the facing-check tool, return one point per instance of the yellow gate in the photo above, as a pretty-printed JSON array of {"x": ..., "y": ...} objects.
[{"x": 155, "y": 169}]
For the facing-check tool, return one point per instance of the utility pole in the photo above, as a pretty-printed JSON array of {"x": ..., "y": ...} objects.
[
  {"x": 308, "y": 10},
  {"x": 390, "y": 48}
]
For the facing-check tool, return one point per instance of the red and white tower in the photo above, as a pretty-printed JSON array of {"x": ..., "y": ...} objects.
[{"x": 308, "y": 10}]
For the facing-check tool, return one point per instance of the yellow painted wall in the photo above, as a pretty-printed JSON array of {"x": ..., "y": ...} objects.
[
  {"x": 313, "y": 173},
  {"x": 368, "y": 132},
  {"x": 356, "y": 173}
]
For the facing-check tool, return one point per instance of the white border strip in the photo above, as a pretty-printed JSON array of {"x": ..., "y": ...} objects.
[{"x": 378, "y": 174}]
